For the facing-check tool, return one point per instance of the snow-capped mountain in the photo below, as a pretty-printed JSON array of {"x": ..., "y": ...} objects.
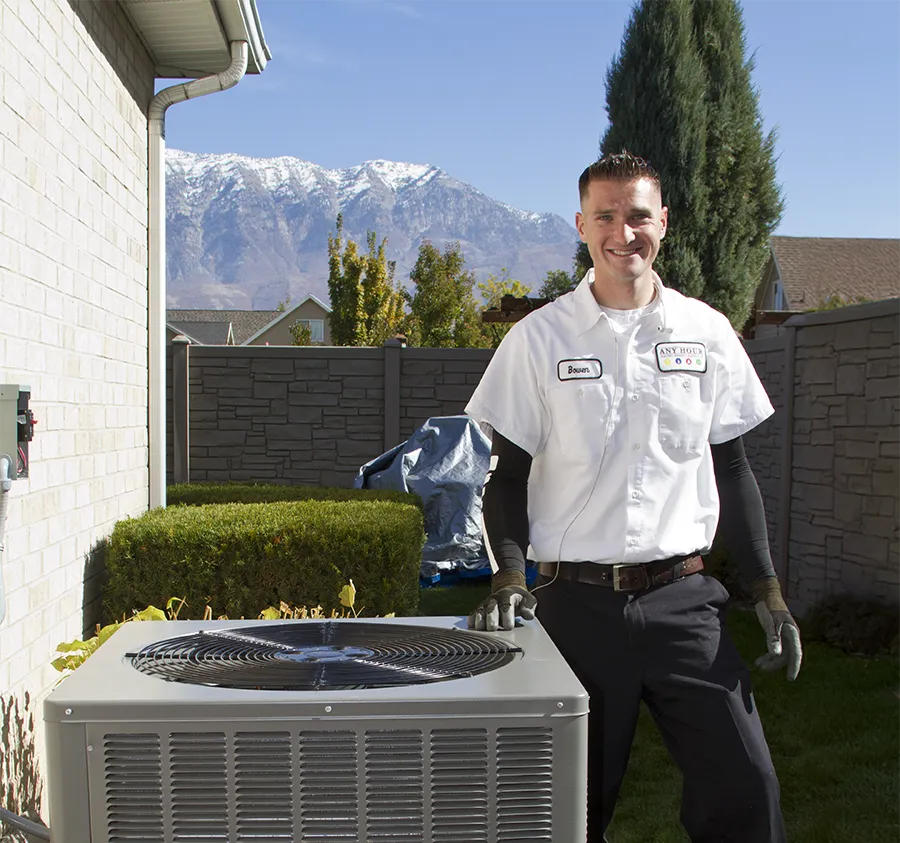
[{"x": 247, "y": 232}]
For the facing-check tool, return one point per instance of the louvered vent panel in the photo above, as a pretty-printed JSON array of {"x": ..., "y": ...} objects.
[
  {"x": 133, "y": 781},
  {"x": 328, "y": 787},
  {"x": 395, "y": 810},
  {"x": 199, "y": 781},
  {"x": 459, "y": 785},
  {"x": 524, "y": 784},
  {"x": 264, "y": 803}
]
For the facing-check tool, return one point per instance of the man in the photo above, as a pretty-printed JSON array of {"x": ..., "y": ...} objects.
[{"x": 617, "y": 415}]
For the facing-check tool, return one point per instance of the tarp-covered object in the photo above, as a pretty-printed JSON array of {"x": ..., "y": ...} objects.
[{"x": 444, "y": 462}]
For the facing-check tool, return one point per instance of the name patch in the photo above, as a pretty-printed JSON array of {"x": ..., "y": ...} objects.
[
  {"x": 681, "y": 357},
  {"x": 581, "y": 369}
]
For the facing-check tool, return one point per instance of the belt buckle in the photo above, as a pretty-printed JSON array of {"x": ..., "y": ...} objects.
[{"x": 617, "y": 576}]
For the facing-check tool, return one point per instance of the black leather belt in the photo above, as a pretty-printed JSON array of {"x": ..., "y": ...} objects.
[{"x": 624, "y": 576}]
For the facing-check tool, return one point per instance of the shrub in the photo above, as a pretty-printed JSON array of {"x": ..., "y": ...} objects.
[
  {"x": 238, "y": 557},
  {"x": 195, "y": 494},
  {"x": 855, "y": 625}
]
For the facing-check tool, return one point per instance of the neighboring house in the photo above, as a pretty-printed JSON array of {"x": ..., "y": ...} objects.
[
  {"x": 250, "y": 327},
  {"x": 802, "y": 273},
  {"x": 82, "y": 242},
  {"x": 310, "y": 311},
  {"x": 217, "y": 327}
]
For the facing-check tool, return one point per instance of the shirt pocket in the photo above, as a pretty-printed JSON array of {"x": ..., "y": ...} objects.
[
  {"x": 579, "y": 410},
  {"x": 685, "y": 413}
]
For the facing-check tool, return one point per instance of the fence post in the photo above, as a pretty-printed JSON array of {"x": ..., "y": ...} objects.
[
  {"x": 392, "y": 351},
  {"x": 787, "y": 457},
  {"x": 181, "y": 408}
]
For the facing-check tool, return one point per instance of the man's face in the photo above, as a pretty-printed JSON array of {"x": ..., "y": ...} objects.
[{"x": 622, "y": 223}]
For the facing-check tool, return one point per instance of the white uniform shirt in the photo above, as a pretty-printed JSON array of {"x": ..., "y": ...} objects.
[{"x": 618, "y": 420}]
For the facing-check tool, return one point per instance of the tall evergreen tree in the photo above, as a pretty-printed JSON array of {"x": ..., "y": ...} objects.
[
  {"x": 745, "y": 202},
  {"x": 443, "y": 312},
  {"x": 679, "y": 94},
  {"x": 656, "y": 107}
]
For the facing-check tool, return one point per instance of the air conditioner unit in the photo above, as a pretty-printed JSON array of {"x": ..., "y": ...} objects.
[{"x": 376, "y": 731}]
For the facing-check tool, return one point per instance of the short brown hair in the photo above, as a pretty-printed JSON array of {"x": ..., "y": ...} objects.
[{"x": 620, "y": 166}]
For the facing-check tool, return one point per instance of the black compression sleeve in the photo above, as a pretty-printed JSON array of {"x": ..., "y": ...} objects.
[
  {"x": 504, "y": 505},
  {"x": 742, "y": 518}
]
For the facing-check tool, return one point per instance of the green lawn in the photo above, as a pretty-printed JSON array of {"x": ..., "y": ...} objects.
[{"x": 834, "y": 735}]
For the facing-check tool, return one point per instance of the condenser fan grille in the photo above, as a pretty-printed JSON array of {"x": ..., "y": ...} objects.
[{"x": 319, "y": 655}]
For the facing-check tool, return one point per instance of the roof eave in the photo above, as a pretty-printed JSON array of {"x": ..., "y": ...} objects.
[{"x": 192, "y": 38}]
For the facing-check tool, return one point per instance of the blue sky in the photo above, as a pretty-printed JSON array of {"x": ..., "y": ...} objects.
[{"x": 509, "y": 97}]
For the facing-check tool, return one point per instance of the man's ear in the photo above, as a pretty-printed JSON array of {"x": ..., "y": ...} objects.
[
  {"x": 579, "y": 225},
  {"x": 663, "y": 222}
]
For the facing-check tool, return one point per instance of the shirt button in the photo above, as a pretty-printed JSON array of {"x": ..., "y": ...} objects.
[
  {"x": 632, "y": 541},
  {"x": 687, "y": 384},
  {"x": 634, "y": 398},
  {"x": 636, "y": 446},
  {"x": 635, "y": 495},
  {"x": 580, "y": 390}
]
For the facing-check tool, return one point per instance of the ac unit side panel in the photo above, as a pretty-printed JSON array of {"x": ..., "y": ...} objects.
[
  {"x": 570, "y": 763},
  {"x": 419, "y": 781}
]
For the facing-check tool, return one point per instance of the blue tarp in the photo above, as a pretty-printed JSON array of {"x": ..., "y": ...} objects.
[{"x": 444, "y": 462}]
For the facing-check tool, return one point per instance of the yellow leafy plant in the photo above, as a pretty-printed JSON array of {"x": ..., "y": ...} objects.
[{"x": 75, "y": 653}]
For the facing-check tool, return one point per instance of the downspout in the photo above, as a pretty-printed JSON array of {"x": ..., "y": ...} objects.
[{"x": 156, "y": 367}]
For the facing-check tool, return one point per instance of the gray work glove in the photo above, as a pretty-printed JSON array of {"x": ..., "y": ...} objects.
[
  {"x": 509, "y": 598},
  {"x": 782, "y": 635}
]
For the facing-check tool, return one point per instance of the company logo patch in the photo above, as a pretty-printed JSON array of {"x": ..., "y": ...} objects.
[
  {"x": 681, "y": 357},
  {"x": 580, "y": 369}
]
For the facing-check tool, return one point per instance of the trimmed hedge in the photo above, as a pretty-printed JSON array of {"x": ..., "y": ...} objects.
[
  {"x": 195, "y": 494},
  {"x": 239, "y": 557}
]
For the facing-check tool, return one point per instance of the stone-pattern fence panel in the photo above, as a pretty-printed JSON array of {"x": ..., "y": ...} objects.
[
  {"x": 765, "y": 443},
  {"x": 437, "y": 382},
  {"x": 826, "y": 462}
]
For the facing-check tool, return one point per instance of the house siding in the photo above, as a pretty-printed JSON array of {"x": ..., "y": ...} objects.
[
  {"x": 75, "y": 84},
  {"x": 280, "y": 332}
]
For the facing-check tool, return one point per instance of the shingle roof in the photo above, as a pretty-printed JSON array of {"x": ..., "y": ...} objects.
[
  {"x": 815, "y": 268},
  {"x": 205, "y": 333},
  {"x": 244, "y": 323}
]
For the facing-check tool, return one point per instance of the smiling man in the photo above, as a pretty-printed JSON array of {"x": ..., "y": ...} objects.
[
  {"x": 617, "y": 414},
  {"x": 623, "y": 223}
]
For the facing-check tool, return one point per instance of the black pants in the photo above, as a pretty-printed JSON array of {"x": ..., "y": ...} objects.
[{"x": 668, "y": 646}]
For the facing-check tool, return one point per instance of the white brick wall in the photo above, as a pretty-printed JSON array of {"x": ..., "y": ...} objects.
[{"x": 74, "y": 91}]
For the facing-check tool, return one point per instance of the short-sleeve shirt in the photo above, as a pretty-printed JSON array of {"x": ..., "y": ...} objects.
[{"x": 619, "y": 423}]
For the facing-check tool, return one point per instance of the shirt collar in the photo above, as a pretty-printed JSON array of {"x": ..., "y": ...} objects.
[{"x": 588, "y": 312}]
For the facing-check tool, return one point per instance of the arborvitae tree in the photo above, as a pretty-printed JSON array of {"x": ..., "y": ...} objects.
[
  {"x": 679, "y": 94},
  {"x": 745, "y": 204},
  {"x": 443, "y": 312},
  {"x": 655, "y": 101},
  {"x": 366, "y": 306}
]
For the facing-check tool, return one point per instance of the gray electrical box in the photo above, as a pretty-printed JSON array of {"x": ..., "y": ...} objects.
[{"x": 16, "y": 426}]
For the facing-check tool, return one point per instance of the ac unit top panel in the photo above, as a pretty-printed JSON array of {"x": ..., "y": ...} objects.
[{"x": 107, "y": 687}]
